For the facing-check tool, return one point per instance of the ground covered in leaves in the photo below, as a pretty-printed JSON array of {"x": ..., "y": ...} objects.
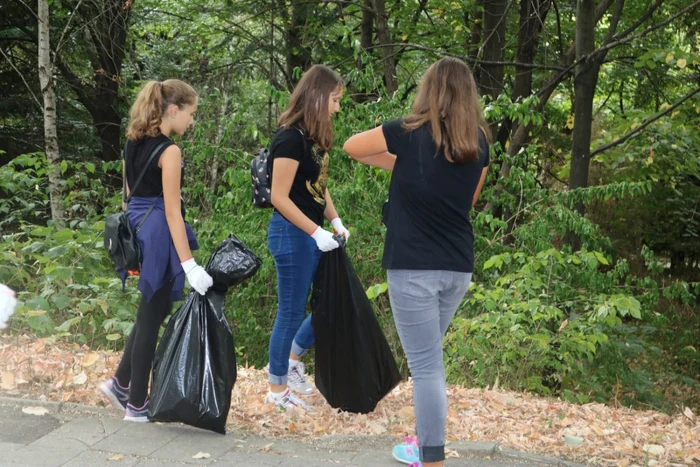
[{"x": 592, "y": 433}]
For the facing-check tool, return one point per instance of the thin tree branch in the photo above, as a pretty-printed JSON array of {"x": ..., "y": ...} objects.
[
  {"x": 419, "y": 10},
  {"x": 605, "y": 48},
  {"x": 650, "y": 77},
  {"x": 21, "y": 76},
  {"x": 75, "y": 83},
  {"x": 470, "y": 59},
  {"x": 414, "y": 20},
  {"x": 605, "y": 101},
  {"x": 560, "y": 39},
  {"x": 646, "y": 123},
  {"x": 59, "y": 44},
  {"x": 28, "y": 8},
  {"x": 502, "y": 18},
  {"x": 641, "y": 20},
  {"x": 16, "y": 39},
  {"x": 651, "y": 28},
  {"x": 601, "y": 9},
  {"x": 614, "y": 21}
]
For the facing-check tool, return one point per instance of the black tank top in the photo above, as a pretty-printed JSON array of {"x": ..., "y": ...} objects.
[{"x": 137, "y": 153}]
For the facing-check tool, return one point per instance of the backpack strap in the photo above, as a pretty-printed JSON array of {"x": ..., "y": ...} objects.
[
  {"x": 303, "y": 137},
  {"x": 155, "y": 152},
  {"x": 143, "y": 219},
  {"x": 126, "y": 144}
]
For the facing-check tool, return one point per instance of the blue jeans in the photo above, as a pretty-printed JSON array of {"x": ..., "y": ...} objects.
[
  {"x": 296, "y": 259},
  {"x": 423, "y": 304}
]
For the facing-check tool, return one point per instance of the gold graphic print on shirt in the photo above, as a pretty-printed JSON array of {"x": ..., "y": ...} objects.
[{"x": 318, "y": 188}]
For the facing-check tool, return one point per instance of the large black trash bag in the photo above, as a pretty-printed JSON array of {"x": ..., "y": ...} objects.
[
  {"x": 354, "y": 367},
  {"x": 195, "y": 366},
  {"x": 194, "y": 369}
]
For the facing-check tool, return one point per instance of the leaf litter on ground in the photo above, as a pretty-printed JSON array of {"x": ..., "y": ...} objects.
[{"x": 44, "y": 370}]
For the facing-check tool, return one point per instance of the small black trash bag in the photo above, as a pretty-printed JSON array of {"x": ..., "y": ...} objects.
[
  {"x": 194, "y": 369},
  {"x": 232, "y": 263},
  {"x": 355, "y": 368}
]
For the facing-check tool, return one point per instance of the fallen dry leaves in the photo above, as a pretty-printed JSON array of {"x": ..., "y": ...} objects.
[{"x": 592, "y": 433}]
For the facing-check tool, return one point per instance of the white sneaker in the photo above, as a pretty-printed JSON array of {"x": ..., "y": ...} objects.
[
  {"x": 296, "y": 379},
  {"x": 286, "y": 400}
]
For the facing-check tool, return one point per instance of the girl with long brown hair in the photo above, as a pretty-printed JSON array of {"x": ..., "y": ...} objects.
[
  {"x": 439, "y": 157},
  {"x": 153, "y": 166},
  {"x": 296, "y": 237}
]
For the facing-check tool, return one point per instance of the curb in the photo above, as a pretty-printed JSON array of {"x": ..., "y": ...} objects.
[
  {"x": 512, "y": 454},
  {"x": 474, "y": 449},
  {"x": 491, "y": 450},
  {"x": 58, "y": 408}
]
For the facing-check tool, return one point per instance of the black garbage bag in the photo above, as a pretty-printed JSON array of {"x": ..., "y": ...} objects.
[
  {"x": 232, "y": 263},
  {"x": 354, "y": 367},
  {"x": 194, "y": 369}
]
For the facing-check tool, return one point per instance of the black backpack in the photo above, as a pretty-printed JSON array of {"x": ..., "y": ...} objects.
[
  {"x": 261, "y": 175},
  {"x": 119, "y": 237}
]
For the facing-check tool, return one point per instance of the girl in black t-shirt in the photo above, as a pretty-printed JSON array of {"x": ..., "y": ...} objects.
[
  {"x": 439, "y": 157},
  {"x": 166, "y": 240},
  {"x": 296, "y": 237}
]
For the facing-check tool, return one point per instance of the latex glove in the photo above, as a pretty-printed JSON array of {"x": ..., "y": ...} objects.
[
  {"x": 8, "y": 302},
  {"x": 198, "y": 278},
  {"x": 324, "y": 239},
  {"x": 340, "y": 228}
]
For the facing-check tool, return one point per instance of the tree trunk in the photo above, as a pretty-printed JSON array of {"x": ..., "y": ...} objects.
[
  {"x": 477, "y": 28},
  {"x": 532, "y": 16},
  {"x": 491, "y": 79},
  {"x": 108, "y": 121},
  {"x": 363, "y": 94},
  {"x": 521, "y": 134},
  {"x": 367, "y": 25},
  {"x": 214, "y": 169},
  {"x": 585, "y": 82},
  {"x": 387, "y": 52},
  {"x": 107, "y": 24},
  {"x": 298, "y": 56},
  {"x": 50, "y": 134}
]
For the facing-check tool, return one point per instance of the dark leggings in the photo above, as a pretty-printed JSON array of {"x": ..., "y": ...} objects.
[{"x": 135, "y": 366}]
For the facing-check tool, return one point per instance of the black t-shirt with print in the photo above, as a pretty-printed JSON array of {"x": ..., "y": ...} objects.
[
  {"x": 428, "y": 225},
  {"x": 309, "y": 186}
]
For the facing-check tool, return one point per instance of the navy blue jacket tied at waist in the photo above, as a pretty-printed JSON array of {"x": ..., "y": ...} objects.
[{"x": 161, "y": 263}]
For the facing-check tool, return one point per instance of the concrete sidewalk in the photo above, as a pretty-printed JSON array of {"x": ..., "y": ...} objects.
[{"x": 71, "y": 435}]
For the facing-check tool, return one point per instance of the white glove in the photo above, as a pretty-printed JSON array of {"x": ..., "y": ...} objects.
[
  {"x": 8, "y": 302},
  {"x": 198, "y": 278},
  {"x": 324, "y": 239},
  {"x": 340, "y": 228}
]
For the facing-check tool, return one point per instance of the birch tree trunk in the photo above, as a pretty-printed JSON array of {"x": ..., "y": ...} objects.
[{"x": 49, "y": 94}]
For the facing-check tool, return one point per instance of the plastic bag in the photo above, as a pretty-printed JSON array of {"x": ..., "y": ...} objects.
[
  {"x": 194, "y": 369},
  {"x": 354, "y": 368},
  {"x": 195, "y": 366},
  {"x": 232, "y": 263}
]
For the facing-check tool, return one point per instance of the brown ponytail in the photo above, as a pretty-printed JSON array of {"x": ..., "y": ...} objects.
[{"x": 152, "y": 102}]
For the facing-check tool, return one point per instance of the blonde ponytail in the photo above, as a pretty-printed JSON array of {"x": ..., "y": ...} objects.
[{"x": 152, "y": 102}]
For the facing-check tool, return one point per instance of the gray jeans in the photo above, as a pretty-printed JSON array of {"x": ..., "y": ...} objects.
[{"x": 423, "y": 304}]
